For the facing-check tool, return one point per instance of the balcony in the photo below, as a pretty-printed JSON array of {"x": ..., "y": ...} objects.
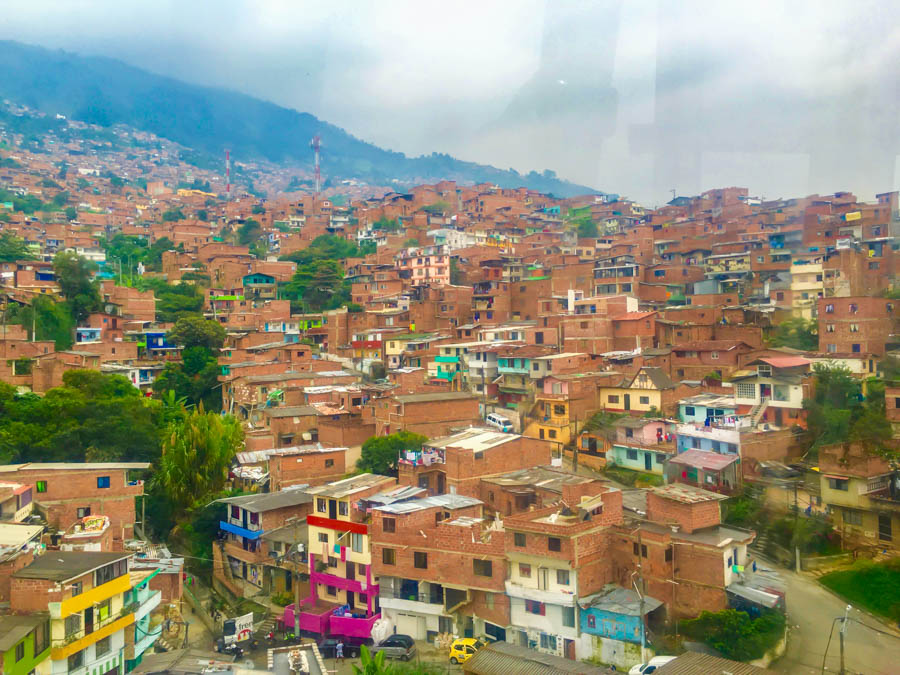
[
  {"x": 256, "y": 557},
  {"x": 89, "y": 598},
  {"x": 420, "y": 603},
  {"x": 240, "y": 531},
  {"x": 514, "y": 590},
  {"x": 75, "y": 642}
]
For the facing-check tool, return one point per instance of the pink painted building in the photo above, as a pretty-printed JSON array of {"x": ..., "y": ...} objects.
[{"x": 424, "y": 265}]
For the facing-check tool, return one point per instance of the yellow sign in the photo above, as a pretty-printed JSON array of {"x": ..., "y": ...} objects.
[{"x": 854, "y": 215}]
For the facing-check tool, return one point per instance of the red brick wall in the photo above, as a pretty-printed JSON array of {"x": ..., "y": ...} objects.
[
  {"x": 689, "y": 516},
  {"x": 286, "y": 470},
  {"x": 7, "y": 569},
  {"x": 169, "y": 584}
]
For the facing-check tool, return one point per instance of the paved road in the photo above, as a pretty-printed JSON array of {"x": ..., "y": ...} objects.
[{"x": 811, "y": 610}]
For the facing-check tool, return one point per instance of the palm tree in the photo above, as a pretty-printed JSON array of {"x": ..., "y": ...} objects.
[
  {"x": 601, "y": 424},
  {"x": 197, "y": 453}
]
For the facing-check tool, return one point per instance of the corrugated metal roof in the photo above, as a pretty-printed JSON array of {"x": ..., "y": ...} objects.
[
  {"x": 695, "y": 663},
  {"x": 502, "y": 658},
  {"x": 704, "y": 459}
]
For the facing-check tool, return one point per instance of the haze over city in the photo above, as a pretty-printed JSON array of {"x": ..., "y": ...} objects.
[{"x": 636, "y": 98}]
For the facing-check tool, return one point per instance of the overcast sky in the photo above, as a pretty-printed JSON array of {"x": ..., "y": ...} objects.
[{"x": 638, "y": 97}]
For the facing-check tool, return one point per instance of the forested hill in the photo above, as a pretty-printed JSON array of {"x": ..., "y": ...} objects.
[{"x": 105, "y": 91}]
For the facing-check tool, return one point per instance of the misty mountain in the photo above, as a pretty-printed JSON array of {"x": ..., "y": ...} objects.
[{"x": 105, "y": 92}]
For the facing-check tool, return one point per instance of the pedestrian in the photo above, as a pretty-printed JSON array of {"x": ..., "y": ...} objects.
[{"x": 339, "y": 651}]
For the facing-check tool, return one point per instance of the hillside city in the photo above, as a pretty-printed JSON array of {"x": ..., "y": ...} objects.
[{"x": 480, "y": 429}]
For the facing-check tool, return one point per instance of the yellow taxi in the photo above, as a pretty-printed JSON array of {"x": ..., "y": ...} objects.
[{"x": 464, "y": 649}]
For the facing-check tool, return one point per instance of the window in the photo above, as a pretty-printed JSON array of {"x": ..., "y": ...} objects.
[
  {"x": 829, "y": 328},
  {"x": 854, "y": 327},
  {"x": 568, "y": 617},
  {"x": 852, "y": 517},
  {"x": 332, "y": 561},
  {"x": 102, "y": 482},
  {"x": 72, "y": 624},
  {"x": 83, "y": 512},
  {"x": 552, "y": 433},
  {"x": 689, "y": 410},
  {"x": 591, "y": 621},
  {"x": 389, "y": 524},
  {"x": 20, "y": 651},
  {"x": 645, "y": 400},
  {"x": 746, "y": 390},
  {"x": 343, "y": 508},
  {"x": 321, "y": 506},
  {"x": 562, "y": 577},
  {"x": 482, "y": 568},
  {"x": 612, "y": 398},
  {"x": 323, "y": 537},
  {"x": 76, "y": 660},
  {"x": 356, "y": 542},
  {"x": 420, "y": 560},
  {"x": 42, "y": 486},
  {"x": 554, "y": 544},
  {"x": 660, "y": 458},
  {"x": 235, "y": 512},
  {"x": 76, "y": 588},
  {"x": 832, "y": 348},
  {"x": 829, "y": 309},
  {"x": 631, "y": 454},
  {"x": 329, "y": 463},
  {"x": 669, "y": 554},
  {"x": 331, "y": 590},
  {"x": 102, "y": 647},
  {"x": 525, "y": 570},
  {"x": 535, "y": 607},
  {"x": 841, "y": 484},
  {"x": 519, "y": 539},
  {"x": 388, "y": 556},
  {"x": 642, "y": 548},
  {"x": 104, "y": 609},
  {"x": 856, "y": 348},
  {"x": 41, "y": 638}
]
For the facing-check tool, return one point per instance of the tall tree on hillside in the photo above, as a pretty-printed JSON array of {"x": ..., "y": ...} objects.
[
  {"x": 74, "y": 274},
  {"x": 13, "y": 248},
  {"x": 197, "y": 453},
  {"x": 380, "y": 453},
  {"x": 195, "y": 331}
]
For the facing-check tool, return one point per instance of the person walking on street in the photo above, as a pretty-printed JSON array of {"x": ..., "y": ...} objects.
[{"x": 339, "y": 651}]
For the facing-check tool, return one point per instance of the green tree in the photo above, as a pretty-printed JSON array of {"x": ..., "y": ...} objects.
[
  {"x": 50, "y": 320},
  {"x": 74, "y": 274},
  {"x": 13, "y": 248},
  {"x": 71, "y": 213},
  {"x": 195, "y": 380},
  {"x": 203, "y": 215},
  {"x": 455, "y": 273},
  {"x": 587, "y": 228},
  {"x": 258, "y": 209},
  {"x": 193, "y": 331},
  {"x": 441, "y": 208},
  {"x": 319, "y": 284},
  {"x": 249, "y": 232},
  {"x": 386, "y": 224},
  {"x": 196, "y": 455},
  {"x": 796, "y": 333},
  {"x": 380, "y": 453},
  {"x": 734, "y": 634},
  {"x": 173, "y": 215}
]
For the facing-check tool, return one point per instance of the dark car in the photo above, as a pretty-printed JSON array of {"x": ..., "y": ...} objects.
[
  {"x": 401, "y": 647},
  {"x": 328, "y": 646}
]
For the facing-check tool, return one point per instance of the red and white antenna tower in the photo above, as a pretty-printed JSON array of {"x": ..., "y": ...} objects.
[
  {"x": 227, "y": 174},
  {"x": 315, "y": 144}
]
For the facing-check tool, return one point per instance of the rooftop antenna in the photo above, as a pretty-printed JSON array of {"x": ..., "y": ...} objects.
[
  {"x": 673, "y": 193},
  {"x": 228, "y": 174},
  {"x": 315, "y": 144}
]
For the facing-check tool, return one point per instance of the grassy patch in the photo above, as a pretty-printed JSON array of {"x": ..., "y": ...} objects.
[
  {"x": 874, "y": 586},
  {"x": 633, "y": 478}
]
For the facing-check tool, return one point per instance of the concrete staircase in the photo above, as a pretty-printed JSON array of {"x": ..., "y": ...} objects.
[{"x": 758, "y": 411}]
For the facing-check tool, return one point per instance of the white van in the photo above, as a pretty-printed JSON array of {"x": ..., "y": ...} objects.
[{"x": 499, "y": 422}]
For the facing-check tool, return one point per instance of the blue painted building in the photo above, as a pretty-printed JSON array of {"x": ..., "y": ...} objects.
[{"x": 615, "y": 620}]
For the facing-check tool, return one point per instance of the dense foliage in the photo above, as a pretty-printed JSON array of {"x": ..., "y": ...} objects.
[
  {"x": 796, "y": 333},
  {"x": 104, "y": 414},
  {"x": 875, "y": 586},
  {"x": 380, "y": 453},
  {"x": 735, "y": 634}
]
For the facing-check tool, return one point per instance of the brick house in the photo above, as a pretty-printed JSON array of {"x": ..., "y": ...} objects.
[
  {"x": 459, "y": 461},
  {"x": 71, "y": 491},
  {"x": 856, "y": 325},
  {"x": 696, "y": 360},
  {"x": 431, "y": 415},
  {"x": 242, "y": 560}
]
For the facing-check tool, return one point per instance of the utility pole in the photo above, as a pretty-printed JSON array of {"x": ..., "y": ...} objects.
[
  {"x": 843, "y": 631},
  {"x": 575, "y": 445}
]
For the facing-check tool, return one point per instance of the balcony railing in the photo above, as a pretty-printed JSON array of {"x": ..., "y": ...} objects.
[{"x": 96, "y": 626}]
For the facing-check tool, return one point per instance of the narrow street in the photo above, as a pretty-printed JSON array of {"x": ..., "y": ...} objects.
[{"x": 811, "y": 611}]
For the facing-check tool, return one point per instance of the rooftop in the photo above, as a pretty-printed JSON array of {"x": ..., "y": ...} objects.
[
  {"x": 70, "y": 466},
  {"x": 695, "y": 663},
  {"x": 269, "y": 501},
  {"x": 254, "y": 456},
  {"x": 64, "y": 565},
  {"x": 447, "y": 501},
  {"x": 686, "y": 494},
  {"x": 430, "y": 398},
  {"x": 291, "y": 411},
  {"x": 544, "y": 477},
  {"x": 704, "y": 459},
  {"x": 502, "y": 658},
  {"x": 13, "y": 628},
  {"x": 349, "y": 486},
  {"x": 473, "y": 438},
  {"x": 618, "y": 600}
]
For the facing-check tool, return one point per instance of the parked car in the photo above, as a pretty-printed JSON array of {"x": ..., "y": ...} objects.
[
  {"x": 651, "y": 666},
  {"x": 398, "y": 646},
  {"x": 499, "y": 422},
  {"x": 352, "y": 645},
  {"x": 464, "y": 648}
]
